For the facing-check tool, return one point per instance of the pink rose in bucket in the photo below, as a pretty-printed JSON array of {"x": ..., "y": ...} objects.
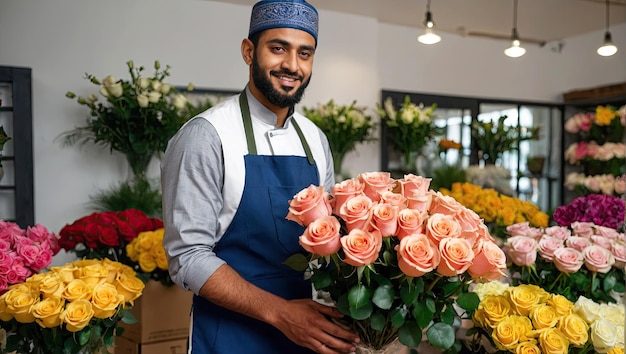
[{"x": 308, "y": 205}]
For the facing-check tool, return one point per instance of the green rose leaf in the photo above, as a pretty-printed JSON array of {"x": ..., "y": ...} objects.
[
  {"x": 408, "y": 293},
  {"x": 297, "y": 262},
  {"x": 378, "y": 321},
  {"x": 423, "y": 314},
  {"x": 398, "y": 315},
  {"x": 441, "y": 335},
  {"x": 450, "y": 288},
  {"x": 129, "y": 318},
  {"x": 609, "y": 283},
  {"x": 321, "y": 280},
  {"x": 359, "y": 299},
  {"x": 363, "y": 312},
  {"x": 84, "y": 335},
  {"x": 342, "y": 305},
  {"x": 468, "y": 301},
  {"x": 384, "y": 296},
  {"x": 431, "y": 304},
  {"x": 447, "y": 316},
  {"x": 410, "y": 334}
]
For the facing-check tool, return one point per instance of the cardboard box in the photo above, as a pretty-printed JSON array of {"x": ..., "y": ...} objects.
[
  {"x": 163, "y": 314},
  {"x": 126, "y": 346}
]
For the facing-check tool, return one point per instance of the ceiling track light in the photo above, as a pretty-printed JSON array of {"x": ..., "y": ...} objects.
[
  {"x": 429, "y": 36},
  {"x": 608, "y": 48},
  {"x": 515, "y": 50}
]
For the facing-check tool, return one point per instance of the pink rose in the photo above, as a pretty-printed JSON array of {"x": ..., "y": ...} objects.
[
  {"x": 421, "y": 202},
  {"x": 620, "y": 185},
  {"x": 395, "y": 199},
  {"x": 410, "y": 221},
  {"x": 444, "y": 204},
  {"x": 519, "y": 229},
  {"x": 417, "y": 255},
  {"x": 578, "y": 243},
  {"x": 361, "y": 247},
  {"x": 356, "y": 212},
  {"x": 584, "y": 229},
  {"x": 413, "y": 185},
  {"x": 483, "y": 234},
  {"x": 568, "y": 260},
  {"x": 375, "y": 183},
  {"x": 27, "y": 250},
  {"x": 547, "y": 246},
  {"x": 522, "y": 250},
  {"x": 469, "y": 222},
  {"x": 456, "y": 256},
  {"x": 37, "y": 233},
  {"x": 598, "y": 259},
  {"x": 489, "y": 262},
  {"x": 601, "y": 241},
  {"x": 344, "y": 190},
  {"x": 607, "y": 232},
  {"x": 440, "y": 226},
  {"x": 619, "y": 253},
  {"x": 385, "y": 219},
  {"x": 308, "y": 205},
  {"x": 322, "y": 236},
  {"x": 44, "y": 260},
  {"x": 560, "y": 232}
]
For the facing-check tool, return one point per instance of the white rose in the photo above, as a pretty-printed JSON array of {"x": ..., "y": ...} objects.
[
  {"x": 154, "y": 96},
  {"x": 190, "y": 87},
  {"x": 109, "y": 80},
  {"x": 156, "y": 85},
  {"x": 587, "y": 309},
  {"x": 143, "y": 101},
  {"x": 603, "y": 335},
  {"x": 406, "y": 116},
  {"x": 92, "y": 98},
  {"x": 179, "y": 101},
  {"x": 143, "y": 83},
  {"x": 115, "y": 90},
  {"x": 165, "y": 88},
  {"x": 104, "y": 92}
]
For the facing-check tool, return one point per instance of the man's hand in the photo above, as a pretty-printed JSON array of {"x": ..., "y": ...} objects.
[{"x": 304, "y": 322}]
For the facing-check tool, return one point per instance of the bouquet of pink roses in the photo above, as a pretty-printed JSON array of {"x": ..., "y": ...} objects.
[
  {"x": 24, "y": 252},
  {"x": 583, "y": 259},
  {"x": 395, "y": 257}
]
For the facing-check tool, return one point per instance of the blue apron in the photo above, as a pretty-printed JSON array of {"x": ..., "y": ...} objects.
[{"x": 256, "y": 243}]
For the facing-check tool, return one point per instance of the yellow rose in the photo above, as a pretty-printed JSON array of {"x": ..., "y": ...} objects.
[
  {"x": 105, "y": 300},
  {"x": 77, "y": 289},
  {"x": 35, "y": 279},
  {"x": 540, "y": 219},
  {"x": 604, "y": 115},
  {"x": 161, "y": 258},
  {"x": 575, "y": 329},
  {"x": 552, "y": 341},
  {"x": 114, "y": 268},
  {"x": 528, "y": 347},
  {"x": 129, "y": 286},
  {"x": 65, "y": 272},
  {"x": 145, "y": 241},
  {"x": 616, "y": 350},
  {"x": 47, "y": 312},
  {"x": 84, "y": 262},
  {"x": 604, "y": 335},
  {"x": 561, "y": 304},
  {"x": 543, "y": 316},
  {"x": 524, "y": 327},
  {"x": 492, "y": 310},
  {"x": 147, "y": 263},
  {"x": 505, "y": 336},
  {"x": 525, "y": 296},
  {"x": 18, "y": 300},
  {"x": 93, "y": 274},
  {"x": 51, "y": 285},
  {"x": 5, "y": 315},
  {"x": 77, "y": 315},
  {"x": 132, "y": 252}
]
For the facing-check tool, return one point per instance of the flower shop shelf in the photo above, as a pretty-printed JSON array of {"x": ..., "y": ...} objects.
[{"x": 17, "y": 192}]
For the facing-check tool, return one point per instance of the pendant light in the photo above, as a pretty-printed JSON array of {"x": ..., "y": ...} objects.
[
  {"x": 608, "y": 48},
  {"x": 515, "y": 50},
  {"x": 429, "y": 36}
]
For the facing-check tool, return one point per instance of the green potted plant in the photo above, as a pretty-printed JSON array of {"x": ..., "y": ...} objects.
[{"x": 495, "y": 138}]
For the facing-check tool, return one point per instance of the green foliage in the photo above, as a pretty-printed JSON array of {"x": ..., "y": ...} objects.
[
  {"x": 137, "y": 193},
  {"x": 493, "y": 139},
  {"x": 446, "y": 176}
]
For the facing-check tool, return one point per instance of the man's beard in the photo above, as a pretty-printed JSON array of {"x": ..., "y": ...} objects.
[{"x": 275, "y": 97}]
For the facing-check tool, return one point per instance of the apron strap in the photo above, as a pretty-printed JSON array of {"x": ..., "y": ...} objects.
[{"x": 247, "y": 126}]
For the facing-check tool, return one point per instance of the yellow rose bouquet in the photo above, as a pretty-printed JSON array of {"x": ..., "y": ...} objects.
[
  {"x": 70, "y": 309},
  {"x": 394, "y": 256},
  {"x": 148, "y": 257},
  {"x": 528, "y": 319}
]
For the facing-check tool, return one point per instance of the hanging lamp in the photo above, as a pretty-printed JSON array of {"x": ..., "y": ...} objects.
[
  {"x": 515, "y": 50},
  {"x": 429, "y": 36},
  {"x": 608, "y": 48}
]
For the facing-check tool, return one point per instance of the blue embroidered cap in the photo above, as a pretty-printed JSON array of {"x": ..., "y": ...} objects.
[{"x": 298, "y": 14}]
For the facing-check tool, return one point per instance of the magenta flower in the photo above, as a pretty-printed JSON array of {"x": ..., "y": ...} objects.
[{"x": 601, "y": 209}]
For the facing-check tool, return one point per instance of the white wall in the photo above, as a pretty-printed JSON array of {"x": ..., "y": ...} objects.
[{"x": 356, "y": 58}]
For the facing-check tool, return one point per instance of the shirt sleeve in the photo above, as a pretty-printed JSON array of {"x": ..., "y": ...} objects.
[{"x": 192, "y": 175}]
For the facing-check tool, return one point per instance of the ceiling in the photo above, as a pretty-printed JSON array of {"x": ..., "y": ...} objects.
[{"x": 540, "y": 20}]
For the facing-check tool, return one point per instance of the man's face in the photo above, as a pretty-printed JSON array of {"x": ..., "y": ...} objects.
[{"x": 282, "y": 65}]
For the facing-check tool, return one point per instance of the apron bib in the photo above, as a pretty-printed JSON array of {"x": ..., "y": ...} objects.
[{"x": 255, "y": 244}]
